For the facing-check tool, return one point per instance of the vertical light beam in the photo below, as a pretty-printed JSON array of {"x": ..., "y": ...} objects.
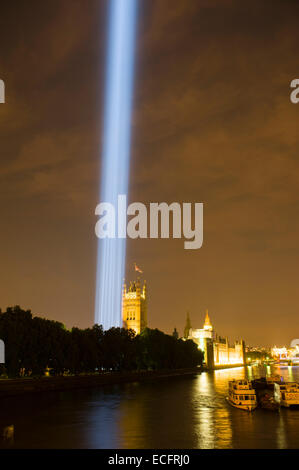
[{"x": 116, "y": 155}]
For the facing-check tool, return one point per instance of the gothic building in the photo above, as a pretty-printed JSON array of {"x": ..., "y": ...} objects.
[
  {"x": 218, "y": 352},
  {"x": 134, "y": 306}
]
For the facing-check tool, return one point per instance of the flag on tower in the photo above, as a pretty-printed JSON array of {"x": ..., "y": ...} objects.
[{"x": 138, "y": 270}]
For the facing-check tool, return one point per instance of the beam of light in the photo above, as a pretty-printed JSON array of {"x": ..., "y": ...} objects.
[{"x": 116, "y": 155}]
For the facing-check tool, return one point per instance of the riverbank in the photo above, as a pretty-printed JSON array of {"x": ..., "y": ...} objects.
[
  {"x": 14, "y": 387},
  {"x": 221, "y": 367},
  {"x": 228, "y": 366}
]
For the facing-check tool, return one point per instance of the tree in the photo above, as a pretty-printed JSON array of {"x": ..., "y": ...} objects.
[{"x": 34, "y": 343}]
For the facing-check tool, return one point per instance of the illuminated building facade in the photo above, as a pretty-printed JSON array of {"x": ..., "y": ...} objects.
[
  {"x": 218, "y": 352},
  {"x": 134, "y": 306},
  {"x": 284, "y": 355}
]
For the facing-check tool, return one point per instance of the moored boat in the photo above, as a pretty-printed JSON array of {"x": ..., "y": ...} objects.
[
  {"x": 265, "y": 394},
  {"x": 287, "y": 394},
  {"x": 242, "y": 395},
  {"x": 272, "y": 379},
  {"x": 267, "y": 402}
]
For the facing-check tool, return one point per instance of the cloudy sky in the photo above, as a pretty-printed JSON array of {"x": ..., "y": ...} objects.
[{"x": 212, "y": 123}]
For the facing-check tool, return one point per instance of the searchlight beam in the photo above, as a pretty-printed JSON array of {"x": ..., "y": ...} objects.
[{"x": 116, "y": 155}]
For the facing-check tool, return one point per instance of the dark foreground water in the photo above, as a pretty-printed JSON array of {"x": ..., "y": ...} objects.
[{"x": 187, "y": 412}]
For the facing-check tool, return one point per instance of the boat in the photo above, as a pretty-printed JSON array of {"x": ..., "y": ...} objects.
[
  {"x": 242, "y": 395},
  {"x": 267, "y": 401},
  {"x": 272, "y": 379},
  {"x": 266, "y": 397},
  {"x": 287, "y": 394}
]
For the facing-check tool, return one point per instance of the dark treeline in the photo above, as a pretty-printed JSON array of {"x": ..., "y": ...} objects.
[{"x": 33, "y": 344}]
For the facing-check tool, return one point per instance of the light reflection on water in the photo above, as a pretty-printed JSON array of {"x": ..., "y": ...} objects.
[{"x": 187, "y": 412}]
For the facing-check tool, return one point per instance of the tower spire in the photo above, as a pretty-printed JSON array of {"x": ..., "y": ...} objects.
[
  {"x": 187, "y": 326},
  {"x": 207, "y": 323}
]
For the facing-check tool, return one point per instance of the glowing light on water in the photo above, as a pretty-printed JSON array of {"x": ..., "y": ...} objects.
[{"x": 116, "y": 155}]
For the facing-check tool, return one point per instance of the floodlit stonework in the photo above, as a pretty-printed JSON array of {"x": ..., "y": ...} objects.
[
  {"x": 134, "y": 306},
  {"x": 218, "y": 352}
]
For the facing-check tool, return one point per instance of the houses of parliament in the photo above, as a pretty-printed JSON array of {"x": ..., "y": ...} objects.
[
  {"x": 134, "y": 306},
  {"x": 218, "y": 351}
]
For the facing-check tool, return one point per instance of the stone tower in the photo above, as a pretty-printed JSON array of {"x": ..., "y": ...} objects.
[{"x": 134, "y": 307}]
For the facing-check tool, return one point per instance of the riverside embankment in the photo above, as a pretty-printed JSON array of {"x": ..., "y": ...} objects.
[{"x": 20, "y": 386}]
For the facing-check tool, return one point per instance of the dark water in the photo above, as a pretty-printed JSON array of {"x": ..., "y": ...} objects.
[{"x": 187, "y": 412}]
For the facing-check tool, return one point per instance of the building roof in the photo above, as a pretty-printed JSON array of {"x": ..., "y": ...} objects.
[{"x": 207, "y": 323}]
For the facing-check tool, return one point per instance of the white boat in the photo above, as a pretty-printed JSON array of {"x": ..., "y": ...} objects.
[
  {"x": 242, "y": 395},
  {"x": 287, "y": 393},
  {"x": 272, "y": 379}
]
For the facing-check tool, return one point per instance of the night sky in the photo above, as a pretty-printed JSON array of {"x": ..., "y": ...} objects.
[{"x": 212, "y": 123}]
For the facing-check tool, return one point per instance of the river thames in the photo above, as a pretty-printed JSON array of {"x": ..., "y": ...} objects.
[{"x": 178, "y": 413}]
